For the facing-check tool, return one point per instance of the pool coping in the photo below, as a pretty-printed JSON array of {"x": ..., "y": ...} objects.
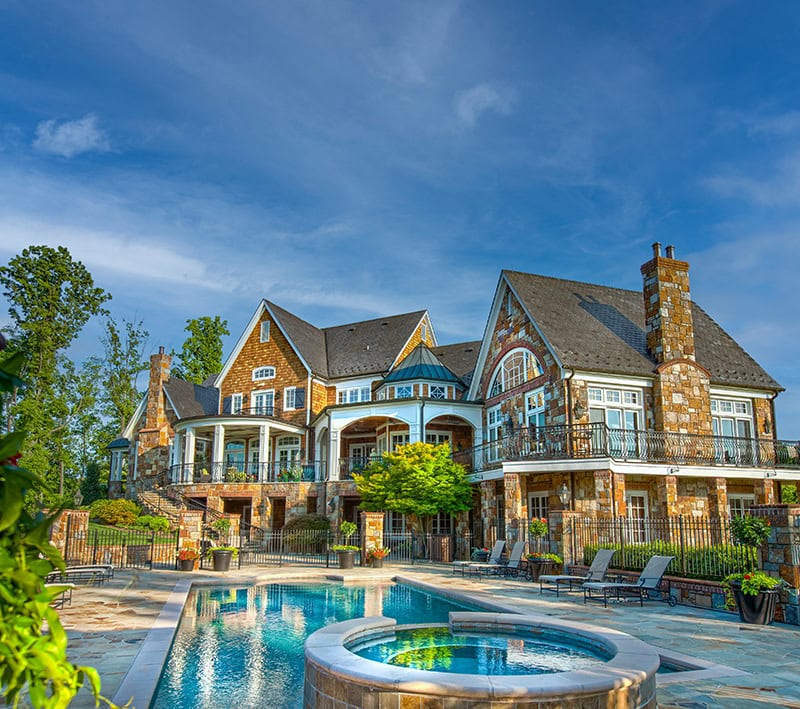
[{"x": 141, "y": 680}]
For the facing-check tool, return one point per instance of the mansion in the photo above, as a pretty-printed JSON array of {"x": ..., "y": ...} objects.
[{"x": 604, "y": 401}]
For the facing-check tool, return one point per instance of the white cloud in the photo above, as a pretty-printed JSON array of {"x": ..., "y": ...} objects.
[
  {"x": 71, "y": 137},
  {"x": 781, "y": 188},
  {"x": 473, "y": 103}
]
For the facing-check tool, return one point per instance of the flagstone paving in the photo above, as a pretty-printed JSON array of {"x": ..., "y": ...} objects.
[{"x": 107, "y": 626}]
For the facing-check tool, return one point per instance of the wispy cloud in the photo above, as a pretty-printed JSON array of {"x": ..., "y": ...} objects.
[
  {"x": 71, "y": 138},
  {"x": 473, "y": 103}
]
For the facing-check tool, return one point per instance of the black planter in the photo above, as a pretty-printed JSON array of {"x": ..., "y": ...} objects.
[
  {"x": 758, "y": 609},
  {"x": 347, "y": 558},
  {"x": 221, "y": 559},
  {"x": 186, "y": 564},
  {"x": 377, "y": 563}
]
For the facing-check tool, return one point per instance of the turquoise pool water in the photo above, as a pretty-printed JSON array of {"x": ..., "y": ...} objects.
[
  {"x": 243, "y": 647},
  {"x": 439, "y": 650}
]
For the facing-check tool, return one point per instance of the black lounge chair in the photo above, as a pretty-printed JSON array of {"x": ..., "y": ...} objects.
[
  {"x": 597, "y": 572},
  {"x": 647, "y": 583},
  {"x": 509, "y": 568},
  {"x": 494, "y": 557}
]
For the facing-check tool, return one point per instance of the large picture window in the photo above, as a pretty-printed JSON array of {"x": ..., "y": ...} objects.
[
  {"x": 621, "y": 411},
  {"x": 732, "y": 424},
  {"x": 516, "y": 368}
]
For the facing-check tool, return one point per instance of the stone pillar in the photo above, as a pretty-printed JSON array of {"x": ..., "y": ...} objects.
[
  {"x": 562, "y": 541},
  {"x": 781, "y": 554},
  {"x": 515, "y": 521},
  {"x": 489, "y": 512},
  {"x": 764, "y": 489},
  {"x": 668, "y": 492},
  {"x": 69, "y": 534},
  {"x": 717, "y": 497},
  {"x": 371, "y": 532}
]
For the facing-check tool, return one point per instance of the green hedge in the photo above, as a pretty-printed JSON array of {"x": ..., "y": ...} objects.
[
  {"x": 120, "y": 513},
  {"x": 156, "y": 524}
]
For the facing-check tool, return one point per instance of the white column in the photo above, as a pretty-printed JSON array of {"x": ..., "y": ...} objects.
[
  {"x": 218, "y": 453},
  {"x": 333, "y": 453},
  {"x": 116, "y": 466},
  {"x": 263, "y": 453},
  {"x": 177, "y": 454},
  {"x": 188, "y": 456}
]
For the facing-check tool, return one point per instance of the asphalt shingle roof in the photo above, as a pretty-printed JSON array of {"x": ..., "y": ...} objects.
[
  {"x": 192, "y": 399},
  {"x": 598, "y": 328},
  {"x": 460, "y": 358}
]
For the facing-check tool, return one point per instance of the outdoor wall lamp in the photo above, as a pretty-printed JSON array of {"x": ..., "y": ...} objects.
[
  {"x": 767, "y": 426},
  {"x": 579, "y": 409},
  {"x": 564, "y": 495}
]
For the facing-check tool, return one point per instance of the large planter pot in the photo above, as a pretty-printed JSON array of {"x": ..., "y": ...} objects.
[
  {"x": 537, "y": 568},
  {"x": 221, "y": 559},
  {"x": 186, "y": 564},
  {"x": 347, "y": 559},
  {"x": 480, "y": 556},
  {"x": 758, "y": 609},
  {"x": 377, "y": 563}
]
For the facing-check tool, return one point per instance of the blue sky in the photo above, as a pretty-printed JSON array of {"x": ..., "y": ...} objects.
[{"x": 351, "y": 160}]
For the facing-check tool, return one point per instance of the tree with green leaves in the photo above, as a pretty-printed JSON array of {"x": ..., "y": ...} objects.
[
  {"x": 51, "y": 297},
  {"x": 122, "y": 362},
  {"x": 418, "y": 480},
  {"x": 201, "y": 353}
]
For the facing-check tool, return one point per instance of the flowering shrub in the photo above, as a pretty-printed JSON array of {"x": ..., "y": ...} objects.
[
  {"x": 377, "y": 553},
  {"x": 753, "y": 531},
  {"x": 538, "y": 527},
  {"x": 187, "y": 554},
  {"x": 542, "y": 556},
  {"x": 752, "y": 582}
]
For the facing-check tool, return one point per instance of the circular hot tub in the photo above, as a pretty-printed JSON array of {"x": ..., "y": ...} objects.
[{"x": 507, "y": 659}]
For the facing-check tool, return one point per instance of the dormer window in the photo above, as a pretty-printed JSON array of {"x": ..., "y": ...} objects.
[
  {"x": 516, "y": 368},
  {"x": 262, "y": 373}
]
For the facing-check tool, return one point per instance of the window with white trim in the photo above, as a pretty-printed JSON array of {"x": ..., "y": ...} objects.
[
  {"x": 288, "y": 450},
  {"x": 494, "y": 426},
  {"x": 262, "y": 373},
  {"x": 263, "y": 402},
  {"x": 289, "y": 403},
  {"x": 353, "y": 395},
  {"x": 399, "y": 439},
  {"x": 404, "y": 391},
  {"x": 264, "y": 332},
  {"x": 437, "y": 438},
  {"x": 534, "y": 408},
  {"x": 236, "y": 403},
  {"x": 732, "y": 423},
  {"x": 621, "y": 411},
  {"x": 516, "y": 368},
  {"x": 436, "y": 391},
  {"x": 638, "y": 514},
  {"x": 538, "y": 505},
  {"x": 739, "y": 505}
]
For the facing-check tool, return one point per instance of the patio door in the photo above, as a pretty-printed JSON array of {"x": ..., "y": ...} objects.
[
  {"x": 358, "y": 457},
  {"x": 637, "y": 517}
]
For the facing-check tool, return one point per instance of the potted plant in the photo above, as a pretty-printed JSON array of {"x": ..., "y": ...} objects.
[
  {"x": 346, "y": 552},
  {"x": 539, "y": 562},
  {"x": 749, "y": 530},
  {"x": 480, "y": 554},
  {"x": 221, "y": 557},
  {"x": 755, "y": 594},
  {"x": 221, "y": 526},
  {"x": 186, "y": 558},
  {"x": 538, "y": 529},
  {"x": 376, "y": 555}
]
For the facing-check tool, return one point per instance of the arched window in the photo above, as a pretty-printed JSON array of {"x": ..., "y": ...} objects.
[
  {"x": 261, "y": 373},
  {"x": 516, "y": 368}
]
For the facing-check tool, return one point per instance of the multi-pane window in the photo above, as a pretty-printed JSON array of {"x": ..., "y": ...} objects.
[
  {"x": 538, "y": 505},
  {"x": 516, "y": 368},
  {"x": 437, "y": 392},
  {"x": 441, "y": 523},
  {"x": 236, "y": 403},
  {"x": 403, "y": 391},
  {"x": 289, "y": 402},
  {"x": 288, "y": 449},
  {"x": 732, "y": 423},
  {"x": 621, "y": 411},
  {"x": 261, "y": 373},
  {"x": 264, "y": 332},
  {"x": 739, "y": 505},
  {"x": 494, "y": 425},
  {"x": 353, "y": 395},
  {"x": 534, "y": 408},
  {"x": 637, "y": 516},
  {"x": 399, "y": 439},
  {"x": 437, "y": 438},
  {"x": 264, "y": 402}
]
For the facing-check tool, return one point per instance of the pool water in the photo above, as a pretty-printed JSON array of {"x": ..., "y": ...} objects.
[
  {"x": 243, "y": 647},
  {"x": 439, "y": 650}
]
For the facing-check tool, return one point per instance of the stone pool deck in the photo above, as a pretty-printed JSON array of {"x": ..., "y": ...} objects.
[{"x": 107, "y": 626}]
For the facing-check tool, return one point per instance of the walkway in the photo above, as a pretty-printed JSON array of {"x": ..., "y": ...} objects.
[{"x": 107, "y": 626}]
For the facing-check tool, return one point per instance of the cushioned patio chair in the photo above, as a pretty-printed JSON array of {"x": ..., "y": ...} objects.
[
  {"x": 92, "y": 574},
  {"x": 508, "y": 568},
  {"x": 494, "y": 557},
  {"x": 647, "y": 584},
  {"x": 597, "y": 572}
]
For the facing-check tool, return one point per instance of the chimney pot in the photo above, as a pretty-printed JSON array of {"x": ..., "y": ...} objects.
[
  {"x": 670, "y": 252},
  {"x": 161, "y": 350},
  {"x": 657, "y": 249}
]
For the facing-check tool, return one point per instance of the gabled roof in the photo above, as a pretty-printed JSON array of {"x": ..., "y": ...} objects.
[
  {"x": 309, "y": 341},
  {"x": 369, "y": 346},
  {"x": 190, "y": 399},
  {"x": 602, "y": 329},
  {"x": 422, "y": 364}
]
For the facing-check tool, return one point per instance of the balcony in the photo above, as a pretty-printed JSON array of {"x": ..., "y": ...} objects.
[
  {"x": 596, "y": 440},
  {"x": 220, "y": 472},
  {"x": 348, "y": 466}
]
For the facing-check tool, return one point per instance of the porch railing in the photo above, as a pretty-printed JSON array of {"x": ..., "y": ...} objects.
[
  {"x": 596, "y": 440},
  {"x": 274, "y": 472},
  {"x": 348, "y": 466}
]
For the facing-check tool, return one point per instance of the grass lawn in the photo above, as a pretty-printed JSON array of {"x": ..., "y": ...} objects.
[{"x": 107, "y": 535}]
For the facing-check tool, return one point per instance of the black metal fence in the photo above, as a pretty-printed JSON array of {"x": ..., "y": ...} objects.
[
  {"x": 124, "y": 548},
  {"x": 703, "y": 547}
]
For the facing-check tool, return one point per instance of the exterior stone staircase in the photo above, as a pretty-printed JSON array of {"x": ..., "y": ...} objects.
[{"x": 155, "y": 502}]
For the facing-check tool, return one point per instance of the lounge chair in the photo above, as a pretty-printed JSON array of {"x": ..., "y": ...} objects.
[
  {"x": 494, "y": 557},
  {"x": 509, "y": 568},
  {"x": 647, "y": 583},
  {"x": 93, "y": 574},
  {"x": 64, "y": 596},
  {"x": 597, "y": 572}
]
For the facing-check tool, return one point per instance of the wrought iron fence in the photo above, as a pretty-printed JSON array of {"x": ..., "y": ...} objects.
[
  {"x": 124, "y": 548},
  {"x": 703, "y": 547}
]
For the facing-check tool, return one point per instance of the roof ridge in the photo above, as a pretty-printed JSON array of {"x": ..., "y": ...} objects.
[
  {"x": 372, "y": 320},
  {"x": 570, "y": 280}
]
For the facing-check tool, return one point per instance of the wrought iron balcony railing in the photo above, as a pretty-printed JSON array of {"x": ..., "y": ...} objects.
[
  {"x": 221, "y": 472},
  {"x": 596, "y": 440},
  {"x": 348, "y": 466}
]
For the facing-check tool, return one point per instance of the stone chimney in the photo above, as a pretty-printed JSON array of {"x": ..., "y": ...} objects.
[
  {"x": 159, "y": 375},
  {"x": 668, "y": 307}
]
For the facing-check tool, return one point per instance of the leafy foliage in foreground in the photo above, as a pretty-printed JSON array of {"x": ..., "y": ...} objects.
[{"x": 33, "y": 663}]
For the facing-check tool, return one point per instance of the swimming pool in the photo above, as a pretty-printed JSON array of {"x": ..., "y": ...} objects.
[{"x": 243, "y": 646}]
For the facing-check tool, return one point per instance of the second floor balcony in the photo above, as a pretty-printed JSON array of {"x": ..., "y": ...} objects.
[
  {"x": 226, "y": 472},
  {"x": 597, "y": 440}
]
